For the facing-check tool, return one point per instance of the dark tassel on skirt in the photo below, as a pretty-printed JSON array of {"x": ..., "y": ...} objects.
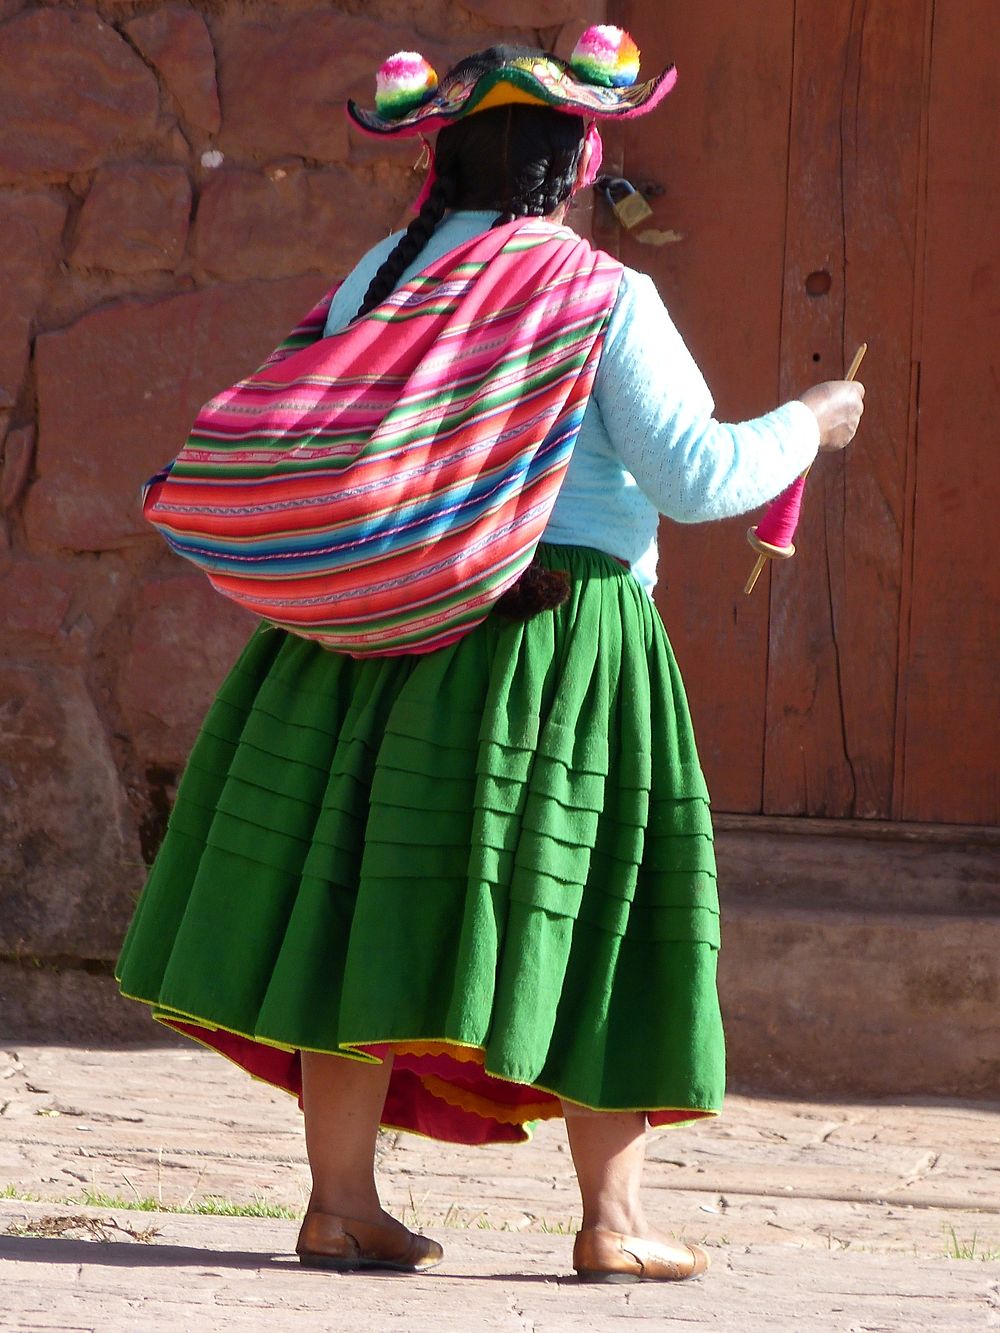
[{"x": 538, "y": 589}]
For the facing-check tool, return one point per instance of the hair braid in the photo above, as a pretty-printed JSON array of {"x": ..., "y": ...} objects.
[
  {"x": 413, "y": 240},
  {"x": 540, "y": 187}
]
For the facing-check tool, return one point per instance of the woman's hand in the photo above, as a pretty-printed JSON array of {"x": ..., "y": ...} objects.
[{"x": 837, "y": 406}]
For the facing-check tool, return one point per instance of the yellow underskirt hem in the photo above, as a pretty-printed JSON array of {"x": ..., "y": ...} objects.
[
  {"x": 472, "y": 1055},
  {"x": 469, "y": 1053},
  {"x": 503, "y": 1114}
]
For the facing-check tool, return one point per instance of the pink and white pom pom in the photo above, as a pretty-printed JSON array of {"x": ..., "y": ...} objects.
[
  {"x": 405, "y": 81},
  {"x": 606, "y": 55}
]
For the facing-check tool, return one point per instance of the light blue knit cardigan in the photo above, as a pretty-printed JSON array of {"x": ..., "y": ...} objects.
[{"x": 649, "y": 444}]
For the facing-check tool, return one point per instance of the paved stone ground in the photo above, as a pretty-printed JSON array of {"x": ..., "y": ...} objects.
[{"x": 820, "y": 1217}]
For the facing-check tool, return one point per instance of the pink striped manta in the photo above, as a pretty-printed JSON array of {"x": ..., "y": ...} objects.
[{"x": 379, "y": 489}]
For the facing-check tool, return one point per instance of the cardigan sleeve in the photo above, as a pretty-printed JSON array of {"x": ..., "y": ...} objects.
[{"x": 658, "y": 413}]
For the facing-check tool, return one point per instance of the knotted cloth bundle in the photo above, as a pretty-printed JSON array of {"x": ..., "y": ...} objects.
[{"x": 380, "y": 489}]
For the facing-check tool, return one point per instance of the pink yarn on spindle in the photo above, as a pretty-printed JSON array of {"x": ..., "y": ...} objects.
[{"x": 778, "y": 525}]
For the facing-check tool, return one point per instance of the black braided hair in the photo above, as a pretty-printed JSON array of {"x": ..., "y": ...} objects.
[
  {"x": 413, "y": 240},
  {"x": 536, "y": 184},
  {"x": 518, "y": 160}
]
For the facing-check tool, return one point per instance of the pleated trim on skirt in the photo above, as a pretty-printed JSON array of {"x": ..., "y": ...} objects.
[{"x": 495, "y": 860}]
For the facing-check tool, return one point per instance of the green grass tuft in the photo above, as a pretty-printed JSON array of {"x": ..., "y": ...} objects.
[
  {"x": 959, "y": 1249},
  {"x": 215, "y": 1207},
  {"x": 211, "y": 1205},
  {"x": 10, "y": 1191}
]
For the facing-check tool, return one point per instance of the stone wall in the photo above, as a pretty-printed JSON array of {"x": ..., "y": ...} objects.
[{"x": 178, "y": 183}]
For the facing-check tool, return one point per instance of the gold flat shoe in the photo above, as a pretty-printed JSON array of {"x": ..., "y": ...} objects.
[
  {"x": 346, "y": 1243},
  {"x": 608, "y": 1256}
]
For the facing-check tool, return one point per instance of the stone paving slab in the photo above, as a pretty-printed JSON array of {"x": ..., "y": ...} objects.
[
  {"x": 820, "y": 1216},
  {"x": 224, "y": 1274}
]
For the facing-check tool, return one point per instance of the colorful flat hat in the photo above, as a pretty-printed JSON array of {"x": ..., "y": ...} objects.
[{"x": 598, "y": 82}]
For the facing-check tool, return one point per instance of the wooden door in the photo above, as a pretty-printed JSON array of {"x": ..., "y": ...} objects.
[{"x": 833, "y": 169}]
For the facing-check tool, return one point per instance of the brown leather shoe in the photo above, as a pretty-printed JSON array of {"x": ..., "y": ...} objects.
[
  {"x": 608, "y": 1256},
  {"x": 346, "y": 1243}
]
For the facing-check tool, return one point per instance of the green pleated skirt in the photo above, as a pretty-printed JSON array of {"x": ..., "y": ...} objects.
[{"x": 494, "y": 860}]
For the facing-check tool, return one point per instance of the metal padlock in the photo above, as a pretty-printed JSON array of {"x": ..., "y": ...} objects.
[
  {"x": 629, "y": 206},
  {"x": 632, "y": 208}
]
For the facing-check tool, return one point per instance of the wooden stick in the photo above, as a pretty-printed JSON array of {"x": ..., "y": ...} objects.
[
  {"x": 762, "y": 559},
  {"x": 859, "y": 356},
  {"x": 758, "y": 569}
]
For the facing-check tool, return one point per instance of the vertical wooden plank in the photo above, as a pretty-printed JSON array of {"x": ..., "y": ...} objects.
[
  {"x": 854, "y": 168},
  {"x": 719, "y": 147},
  {"x": 951, "y": 758}
]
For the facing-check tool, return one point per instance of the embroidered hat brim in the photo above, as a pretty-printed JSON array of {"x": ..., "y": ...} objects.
[{"x": 504, "y": 75}]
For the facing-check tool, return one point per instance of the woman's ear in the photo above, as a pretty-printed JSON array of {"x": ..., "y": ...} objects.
[{"x": 591, "y": 156}]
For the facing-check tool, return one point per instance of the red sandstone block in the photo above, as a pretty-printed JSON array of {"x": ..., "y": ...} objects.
[
  {"x": 69, "y": 855},
  {"x": 183, "y": 638},
  {"x": 532, "y": 14},
  {"x": 177, "y": 41},
  {"x": 31, "y": 228},
  {"x": 71, "y": 91},
  {"x": 290, "y": 220},
  {"x": 34, "y": 599},
  {"x": 284, "y": 82},
  {"x": 135, "y": 219},
  {"x": 18, "y": 455},
  {"x": 118, "y": 390}
]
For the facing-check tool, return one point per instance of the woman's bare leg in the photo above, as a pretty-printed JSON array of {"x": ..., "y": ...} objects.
[
  {"x": 342, "y": 1101},
  {"x": 608, "y": 1149}
]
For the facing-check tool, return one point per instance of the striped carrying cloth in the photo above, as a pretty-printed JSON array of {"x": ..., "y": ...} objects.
[{"x": 379, "y": 489}]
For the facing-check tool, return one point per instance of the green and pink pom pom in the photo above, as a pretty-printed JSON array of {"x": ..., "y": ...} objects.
[
  {"x": 606, "y": 55},
  {"x": 404, "y": 82}
]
